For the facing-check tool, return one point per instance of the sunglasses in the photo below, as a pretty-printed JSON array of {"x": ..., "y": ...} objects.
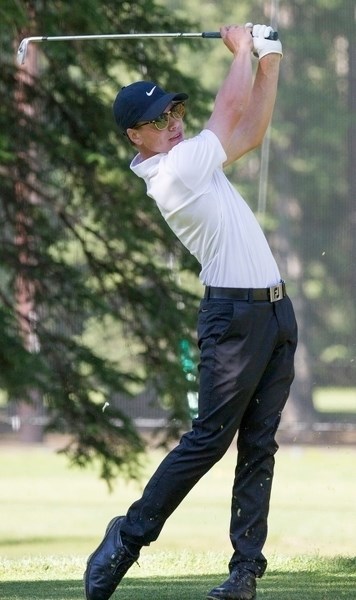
[{"x": 161, "y": 122}]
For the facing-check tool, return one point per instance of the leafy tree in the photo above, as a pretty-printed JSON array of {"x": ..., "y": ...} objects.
[{"x": 80, "y": 242}]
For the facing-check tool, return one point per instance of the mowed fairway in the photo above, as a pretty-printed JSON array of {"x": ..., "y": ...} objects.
[{"x": 53, "y": 516}]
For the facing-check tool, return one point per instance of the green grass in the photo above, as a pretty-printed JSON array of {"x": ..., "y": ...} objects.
[
  {"x": 335, "y": 400},
  {"x": 183, "y": 576},
  {"x": 52, "y": 517}
]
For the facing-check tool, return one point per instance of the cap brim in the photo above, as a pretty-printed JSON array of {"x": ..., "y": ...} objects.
[{"x": 158, "y": 107}]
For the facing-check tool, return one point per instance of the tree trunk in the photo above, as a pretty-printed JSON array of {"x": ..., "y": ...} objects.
[
  {"x": 299, "y": 411},
  {"x": 29, "y": 411},
  {"x": 351, "y": 141}
]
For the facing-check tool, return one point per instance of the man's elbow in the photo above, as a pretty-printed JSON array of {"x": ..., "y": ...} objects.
[
  {"x": 251, "y": 137},
  {"x": 254, "y": 143}
]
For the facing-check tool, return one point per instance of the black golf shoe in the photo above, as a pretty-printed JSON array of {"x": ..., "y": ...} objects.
[
  {"x": 108, "y": 564},
  {"x": 241, "y": 585}
]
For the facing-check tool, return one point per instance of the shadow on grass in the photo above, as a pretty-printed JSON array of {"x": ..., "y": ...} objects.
[{"x": 334, "y": 581}]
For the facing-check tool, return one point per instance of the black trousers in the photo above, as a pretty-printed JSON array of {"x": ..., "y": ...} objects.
[{"x": 246, "y": 369}]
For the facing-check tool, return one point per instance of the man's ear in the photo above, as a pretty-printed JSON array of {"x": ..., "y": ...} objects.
[{"x": 134, "y": 136}]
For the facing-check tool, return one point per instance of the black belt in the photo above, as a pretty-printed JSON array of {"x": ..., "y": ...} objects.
[{"x": 270, "y": 294}]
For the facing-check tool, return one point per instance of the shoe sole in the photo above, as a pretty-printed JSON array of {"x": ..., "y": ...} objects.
[{"x": 210, "y": 597}]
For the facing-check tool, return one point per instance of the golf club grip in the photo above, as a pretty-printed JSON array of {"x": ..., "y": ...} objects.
[{"x": 216, "y": 34}]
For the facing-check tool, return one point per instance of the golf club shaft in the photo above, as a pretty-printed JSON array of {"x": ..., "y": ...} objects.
[{"x": 22, "y": 51}]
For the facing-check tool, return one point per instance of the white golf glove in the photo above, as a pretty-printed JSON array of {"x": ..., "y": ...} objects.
[{"x": 263, "y": 46}]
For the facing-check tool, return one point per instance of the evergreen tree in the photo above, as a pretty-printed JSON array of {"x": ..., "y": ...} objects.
[{"x": 81, "y": 244}]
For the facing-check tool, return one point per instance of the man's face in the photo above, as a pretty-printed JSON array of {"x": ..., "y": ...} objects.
[{"x": 150, "y": 141}]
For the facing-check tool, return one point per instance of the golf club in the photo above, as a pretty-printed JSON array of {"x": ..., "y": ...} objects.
[{"x": 22, "y": 51}]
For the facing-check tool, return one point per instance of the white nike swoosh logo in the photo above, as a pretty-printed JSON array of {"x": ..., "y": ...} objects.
[{"x": 151, "y": 92}]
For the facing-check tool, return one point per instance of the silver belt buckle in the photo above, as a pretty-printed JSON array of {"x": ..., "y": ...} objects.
[{"x": 276, "y": 292}]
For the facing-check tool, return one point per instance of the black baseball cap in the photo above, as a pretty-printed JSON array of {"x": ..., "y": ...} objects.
[{"x": 142, "y": 101}]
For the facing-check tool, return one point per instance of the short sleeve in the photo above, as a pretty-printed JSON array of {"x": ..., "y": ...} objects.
[{"x": 195, "y": 160}]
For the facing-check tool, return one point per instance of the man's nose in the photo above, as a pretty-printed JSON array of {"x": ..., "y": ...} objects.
[{"x": 172, "y": 122}]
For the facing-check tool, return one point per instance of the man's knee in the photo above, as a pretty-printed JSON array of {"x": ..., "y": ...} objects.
[{"x": 211, "y": 442}]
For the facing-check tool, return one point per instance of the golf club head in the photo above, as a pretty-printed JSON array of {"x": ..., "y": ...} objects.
[{"x": 22, "y": 52}]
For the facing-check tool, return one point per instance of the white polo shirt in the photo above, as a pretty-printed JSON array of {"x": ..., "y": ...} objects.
[{"x": 207, "y": 214}]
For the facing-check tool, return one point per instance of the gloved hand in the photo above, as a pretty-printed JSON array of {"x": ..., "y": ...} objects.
[{"x": 263, "y": 46}]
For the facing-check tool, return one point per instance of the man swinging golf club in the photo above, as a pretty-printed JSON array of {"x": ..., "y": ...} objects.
[{"x": 247, "y": 332}]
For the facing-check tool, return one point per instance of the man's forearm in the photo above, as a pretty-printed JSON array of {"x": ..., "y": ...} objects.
[
  {"x": 263, "y": 97},
  {"x": 253, "y": 125},
  {"x": 234, "y": 95},
  {"x": 235, "y": 92}
]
